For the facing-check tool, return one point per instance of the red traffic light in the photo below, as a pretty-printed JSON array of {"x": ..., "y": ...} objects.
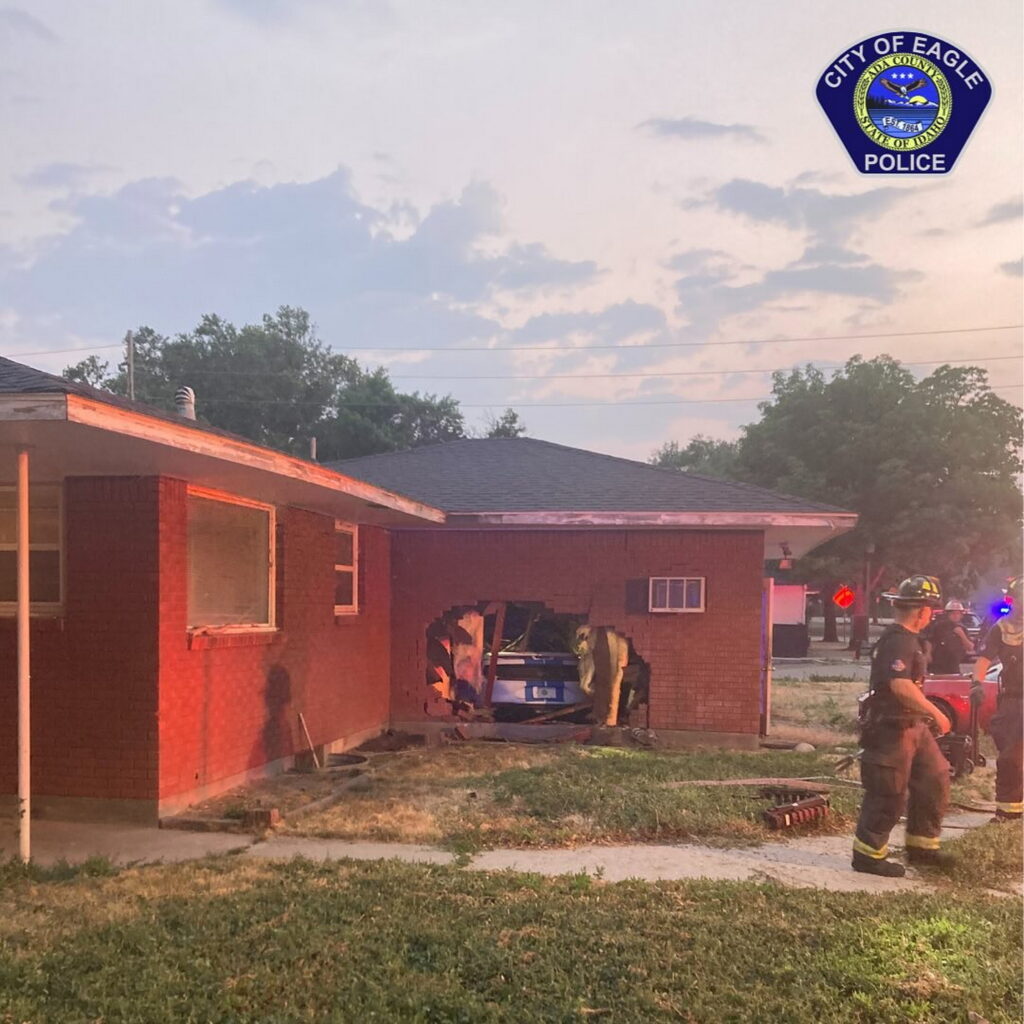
[{"x": 843, "y": 597}]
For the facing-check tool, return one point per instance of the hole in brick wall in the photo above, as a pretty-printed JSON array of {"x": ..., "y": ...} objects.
[{"x": 547, "y": 661}]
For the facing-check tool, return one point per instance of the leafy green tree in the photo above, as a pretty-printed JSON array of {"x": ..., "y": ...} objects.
[
  {"x": 276, "y": 383},
  {"x": 930, "y": 466},
  {"x": 701, "y": 455},
  {"x": 508, "y": 424}
]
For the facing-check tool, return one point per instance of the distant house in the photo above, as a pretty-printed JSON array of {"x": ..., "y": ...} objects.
[{"x": 193, "y": 593}]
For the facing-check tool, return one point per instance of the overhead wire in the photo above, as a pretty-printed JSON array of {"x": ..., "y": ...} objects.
[
  {"x": 527, "y": 405},
  {"x": 595, "y": 348}
]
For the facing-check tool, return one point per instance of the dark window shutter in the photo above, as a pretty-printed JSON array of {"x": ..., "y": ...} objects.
[{"x": 637, "y": 596}]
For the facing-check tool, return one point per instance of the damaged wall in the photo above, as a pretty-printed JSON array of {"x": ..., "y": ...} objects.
[{"x": 705, "y": 667}]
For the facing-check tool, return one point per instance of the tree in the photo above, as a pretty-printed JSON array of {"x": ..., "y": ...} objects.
[
  {"x": 702, "y": 455},
  {"x": 930, "y": 466},
  {"x": 276, "y": 383},
  {"x": 508, "y": 424}
]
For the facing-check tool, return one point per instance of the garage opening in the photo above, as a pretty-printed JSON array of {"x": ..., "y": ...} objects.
[{"x": 523, "y": 662}]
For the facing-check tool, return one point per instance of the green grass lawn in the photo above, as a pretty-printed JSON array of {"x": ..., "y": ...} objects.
[
  {"x": 480, "y": 795},
  {"x": 237, "y": 940}
]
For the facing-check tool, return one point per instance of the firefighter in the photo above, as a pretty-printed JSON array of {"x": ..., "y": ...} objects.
[
  {"x": 951, "y": 646},
  {"x": 1003, "y": 644},
  {"x": 900, "y": 756}
]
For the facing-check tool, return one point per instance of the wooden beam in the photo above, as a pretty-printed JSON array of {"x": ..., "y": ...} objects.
[
  {"x": 560, "y": 713},
  {"x": 492, "y": 665}
]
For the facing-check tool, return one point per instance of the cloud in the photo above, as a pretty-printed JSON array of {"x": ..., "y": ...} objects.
[
  {"x": 712, "y": 288},
  {"x": 62, "y": 175},
  {"x": 827, "y": 217},
  {"x": 615, "y": 323},
  {"x": 1014, "y": 268},
  {"x": 835, "y": 254},
  {"x": 1011, "y": 209},
  {"x": 693, "y": 129},
  {"x": 149, "y": 253},
  {"x": 15, "y": 22},
  {"x": 278, "y": 12}
]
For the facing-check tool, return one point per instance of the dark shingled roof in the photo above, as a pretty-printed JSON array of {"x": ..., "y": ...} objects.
[{"x": 526, "y": 475}]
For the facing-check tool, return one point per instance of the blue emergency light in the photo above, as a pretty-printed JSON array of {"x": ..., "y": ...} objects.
[{"x": 1003, "y": 608}]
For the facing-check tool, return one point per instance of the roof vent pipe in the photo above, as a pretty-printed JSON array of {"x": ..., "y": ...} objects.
[{"x": 185, "y": 403}]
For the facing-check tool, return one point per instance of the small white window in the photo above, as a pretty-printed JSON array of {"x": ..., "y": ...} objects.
[
  {"x": 346, "y": 569},
  {"x": 677, "y": 594},
  {"x": 44, "y": 556},
  {"x": 230, "y": 562}
]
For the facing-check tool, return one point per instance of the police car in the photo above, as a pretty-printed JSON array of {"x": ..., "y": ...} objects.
[{"x": 531, "y": 682}]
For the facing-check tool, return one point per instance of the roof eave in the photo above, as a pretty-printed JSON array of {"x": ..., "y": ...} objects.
[
  {"x": 839, "y": 521},
  {"x": 36, "y": 406}
]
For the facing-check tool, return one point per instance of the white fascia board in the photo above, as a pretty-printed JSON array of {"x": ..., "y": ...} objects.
[
  {"x": 838, "y": 521},
  {"x": 27, "y": 406},
  {"x": 128, "y": 422}
]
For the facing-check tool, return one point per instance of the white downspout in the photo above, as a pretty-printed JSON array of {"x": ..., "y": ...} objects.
[{"x": 24, "y": 733}]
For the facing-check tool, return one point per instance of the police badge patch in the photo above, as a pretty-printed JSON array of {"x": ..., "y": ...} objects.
[
  {"x": 903, "y": 102},
  {"x": 898, "y": 666}
]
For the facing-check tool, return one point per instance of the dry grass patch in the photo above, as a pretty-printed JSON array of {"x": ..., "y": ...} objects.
[
  {"x": 55, "y": 910},
  {"x": 815, "y": 710},
  {"x": 480, "y": 795}
]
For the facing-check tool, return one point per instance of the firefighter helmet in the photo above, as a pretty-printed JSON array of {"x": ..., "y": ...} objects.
[{"x": 923, "y": 590}]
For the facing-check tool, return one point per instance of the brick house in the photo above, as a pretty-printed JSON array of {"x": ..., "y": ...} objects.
[{"x": 193, "y": 593}]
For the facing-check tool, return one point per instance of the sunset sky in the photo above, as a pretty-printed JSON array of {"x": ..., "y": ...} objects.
[{"x": 572, "y": 208}]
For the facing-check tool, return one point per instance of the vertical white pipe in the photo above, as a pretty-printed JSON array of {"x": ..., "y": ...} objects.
[{"x": 24, "y": 735}]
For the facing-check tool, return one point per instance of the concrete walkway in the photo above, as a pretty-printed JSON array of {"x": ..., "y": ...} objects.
[
  {"x": 821, "y": 862},
  {"x": 805, "y": 862},
  {"x": 75, "y": 841}
]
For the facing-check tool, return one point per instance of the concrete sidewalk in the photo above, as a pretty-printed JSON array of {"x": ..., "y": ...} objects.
[
  {"x": 817, "y": 862},
  {"x": 821, "y": 862},
  {"x": 75, "y": 841}
]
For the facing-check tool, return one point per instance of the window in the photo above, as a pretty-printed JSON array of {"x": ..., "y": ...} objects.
[
  {"x": 44, "y": 555},
  {"x": 677, "y": 594},
  {"x": 230, "y": 562},
  {"x": 346, "y": 569}
]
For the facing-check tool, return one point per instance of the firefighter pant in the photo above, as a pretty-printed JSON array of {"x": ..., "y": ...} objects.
[
  {"x": 900, "y": 763},
  {"x": 1007, "y": 730}
]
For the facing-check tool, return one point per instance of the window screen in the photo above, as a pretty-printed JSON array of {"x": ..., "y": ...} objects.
[
  {"x": 44, "y": 532},
  {"x": 346, "y": 563},
  {"x": 677, "y": 594},
  {"x": 229, "y": 563}
]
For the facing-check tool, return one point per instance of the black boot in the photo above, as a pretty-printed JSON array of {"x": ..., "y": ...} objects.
[
  {"x": 934, "y": 858},
  {"x": 877, "y": 866}
]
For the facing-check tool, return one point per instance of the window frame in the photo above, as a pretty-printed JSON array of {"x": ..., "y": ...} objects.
[
  {"x": 210, "y": 494},
  {"x": 41, "y": 609},
  {"x": 652, "y": 580},
  {"x": 341, "y": 526}
]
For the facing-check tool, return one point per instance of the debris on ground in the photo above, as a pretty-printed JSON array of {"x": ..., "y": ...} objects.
[{"x": 391, "y": 742}]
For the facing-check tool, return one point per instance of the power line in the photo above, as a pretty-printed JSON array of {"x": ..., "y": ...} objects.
[
  {"x": 263, "y": 372},
  {"x": 677, "y": 373},
  {"x": 527, "y": 405},
  {"x": 683, "y": 344},
  {"x": 597, "y": 348}
]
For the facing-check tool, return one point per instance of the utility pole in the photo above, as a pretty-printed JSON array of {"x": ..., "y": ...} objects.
[{"x": 129, "y": 341}]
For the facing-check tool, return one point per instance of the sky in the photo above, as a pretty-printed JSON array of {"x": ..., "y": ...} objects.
[{"x": 615, "y": 218}]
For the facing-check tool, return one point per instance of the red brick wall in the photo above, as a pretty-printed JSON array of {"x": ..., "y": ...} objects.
[
  {"x": 218, "y": 710},
  {"x": 230, "y": 704},
  {"x": 94, "y": 674},
  {"x": 704, "y": 667}
]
